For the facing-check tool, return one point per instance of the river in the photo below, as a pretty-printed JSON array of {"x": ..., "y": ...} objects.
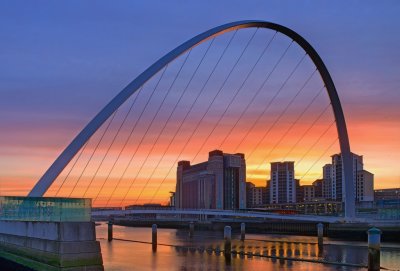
[{"x": 127, "y": 255}]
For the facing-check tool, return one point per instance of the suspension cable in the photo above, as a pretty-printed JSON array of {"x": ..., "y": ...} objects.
[
  {"x": 94, "y": 150},
  {"x": 161, "y": 104},
  {"x": 148, "y": 100},
  {"x": 285, "y": 109},
  {"x": 315, "y": 143},
  {"x": 191, "y": 108},
  {"x": 135, "y": 124},
  {"x": 156, "y": 115},
  {"x": 255, "y": 96},
  {"x": 70, "y": 170},
  {"x": 188, "y": 113},
  {"x": 208, "y": 108},
  {"x": 107, "y": 151},
  {"x": 112, "y": 143},
  {"x": 306, "y": 131},
  {"x": 319, "y": 158},
  {"x": 174, "y": 109},
  {"x": 182, "y": 150},
  {"x": 237, "y": 91},
  {"x": 187, "y": 85},
  {"x": 290, "y": 128},
  {"x": 219, "y": 91},
  {"x": 270, "y": 102},
  {"x": 234, "y": 96}
]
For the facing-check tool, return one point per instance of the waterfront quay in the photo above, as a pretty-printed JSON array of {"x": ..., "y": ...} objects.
[{"x": 38, "y": 233}]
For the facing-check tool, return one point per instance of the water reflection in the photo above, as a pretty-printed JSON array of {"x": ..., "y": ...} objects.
[{"x": 203, "y": 252}]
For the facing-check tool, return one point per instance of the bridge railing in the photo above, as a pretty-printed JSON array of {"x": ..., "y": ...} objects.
[{"x": 45, "y": 209}]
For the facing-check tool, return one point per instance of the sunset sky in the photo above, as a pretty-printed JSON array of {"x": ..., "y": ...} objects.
[{"x": 62, "y": 61}]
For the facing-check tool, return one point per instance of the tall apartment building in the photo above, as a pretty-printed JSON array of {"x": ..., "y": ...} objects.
[
  {"x": 299, "y": 191},
  {"x": 255, "y": 195},
  {"x": 327, "y": 181},
  {"x": 249, "y": 194},
  {"x": 267, "y": 193},
  {"x": 219, "y": 183},
  {"x": 259, "y": 196},
  {"x": 309, "y": 193},
  {"x": 334, "y": 187},
  {"x": 365, "y": 186},
  {"x": 318, "y": 188},
  {"x": 337, "y": 174},
  {"x": 282, "y": 186}
]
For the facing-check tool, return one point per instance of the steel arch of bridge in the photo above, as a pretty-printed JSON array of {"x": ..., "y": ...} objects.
[{"x": 66, "y": 156}]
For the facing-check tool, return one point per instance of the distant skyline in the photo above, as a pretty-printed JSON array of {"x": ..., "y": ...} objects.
[{"x": 61, "y": 62}]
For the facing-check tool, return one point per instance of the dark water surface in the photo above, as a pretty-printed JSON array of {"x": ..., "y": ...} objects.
[{"x": 123, "y": 255}]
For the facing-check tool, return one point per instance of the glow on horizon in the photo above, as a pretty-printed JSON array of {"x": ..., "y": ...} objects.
[
  {"x": 255, "y": 173},
  {"x": 52, "y": 84}
]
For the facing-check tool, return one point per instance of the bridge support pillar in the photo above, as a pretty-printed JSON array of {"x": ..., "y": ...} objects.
[
  {"x": 228, "y": 243},
  {"x": 374, "y": 249},
  {"x": 154, "y": 237},
  {"x": 242, "y": 231},
  {"x": 110, "y": 231},
  {"x": 320, "y": 233},
  {"x": 191, "y": 229}
]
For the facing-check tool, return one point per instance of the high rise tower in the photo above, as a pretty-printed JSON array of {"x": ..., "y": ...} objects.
[{"x": 282, "y": 184}]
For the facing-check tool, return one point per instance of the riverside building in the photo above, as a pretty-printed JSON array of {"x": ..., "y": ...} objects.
[
  {"x": 282, "y": 186},
  {"x": 219, "y": 183}
]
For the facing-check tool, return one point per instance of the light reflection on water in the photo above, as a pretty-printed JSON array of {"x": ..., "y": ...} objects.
[{"x": 120, "y": 255}]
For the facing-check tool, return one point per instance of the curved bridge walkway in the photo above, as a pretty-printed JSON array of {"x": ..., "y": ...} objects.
[{"x": 242, "y": 214}]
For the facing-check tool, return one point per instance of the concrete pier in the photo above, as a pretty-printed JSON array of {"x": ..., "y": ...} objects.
[
  {"x": 110, "y": 231},
  {"x": 242, "y": 231},
  {"x": 191, "y": 229},
  {"x": 51, "y": 245},
  {"x": 320, "y": 233},
  {"x": 49, "y": 233},
  {"x": 374, "y": 249},
  {"x": 154, "y": 237},
  {"x": 228, "y": 241}
]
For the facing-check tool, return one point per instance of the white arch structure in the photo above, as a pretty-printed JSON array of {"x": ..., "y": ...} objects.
[{"x": 77, "y": 143}]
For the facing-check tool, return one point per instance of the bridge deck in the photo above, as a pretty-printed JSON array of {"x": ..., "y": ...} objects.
[{"x": 247, "y": 214}]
